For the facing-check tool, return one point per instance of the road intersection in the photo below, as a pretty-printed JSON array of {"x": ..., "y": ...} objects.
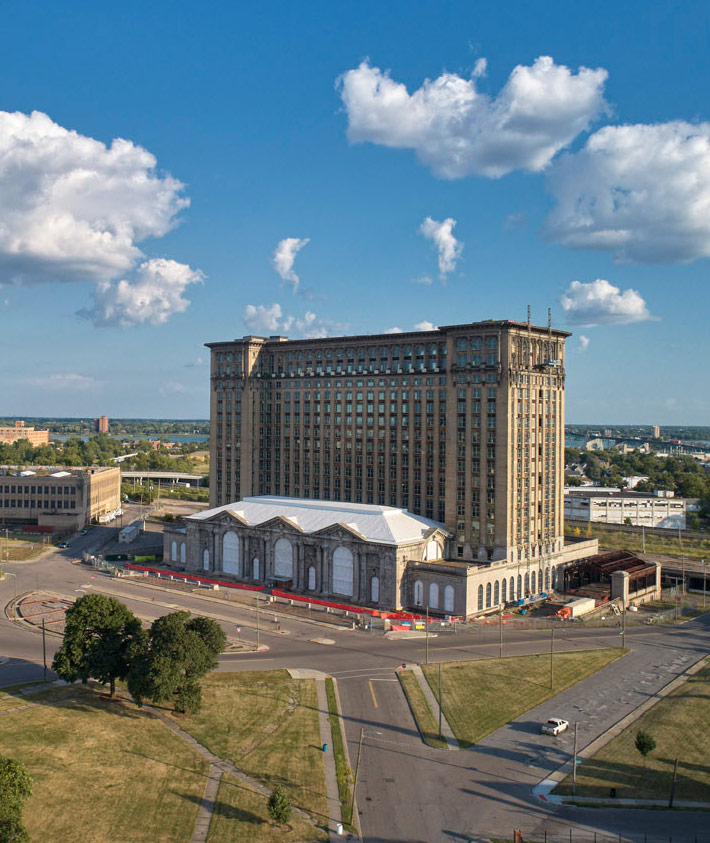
[{"x": 408, "y": 791}]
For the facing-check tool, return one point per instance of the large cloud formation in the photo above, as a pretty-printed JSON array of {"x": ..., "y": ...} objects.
[
  {"x": 284, "y": 257},
  {"x": 153, "y": 295},
  {"x": 639, "y": 191},
  {"x": 74, "y": 209},
  {"x": 458, "y": 131},
  {"x": 601, "y": 303},
  {"x": 263, "y": 319}
]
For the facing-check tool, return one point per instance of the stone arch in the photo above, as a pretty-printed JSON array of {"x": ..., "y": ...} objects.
[
  {"x": 418, "y": 593},
  {"x": 283, "y": 559},
  {"x": 449, "y": 599},
  {"x": 343, "y": 565},
  {"x": 375, "y": 589},
  {"x": 230, "y": 553},
  {"x": 205, "y": 560},
  {"x": 433, "y": 596}
]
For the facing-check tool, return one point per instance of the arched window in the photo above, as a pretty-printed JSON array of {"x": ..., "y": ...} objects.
[
  {"x": 547, "y": 579},
  {"x": 433, "y": 596},
  {"x": 375, "y": 590},
  {"x": 230, "y": 553},
  {"x": 255, "y": 568},
  {"x": 488, "y": 596},
  {"x": 520, "y": 588},
  {"x": 512, "y": 589},
  {"x": 539, "y": 582},
  {"x": 433, "y": 551},
  {"x": 496, "y": 593},
  {"x": 283, "y": 559},
  {"x": 480, "y": 597},
  {"x": 527, "y": 585},
  {"x": 173, "y": 552},
  {"x": 311, "y": 578},
  {"x": 418, "y": 593},
  {"x": 343, "y": 571},
  {"x": 205, "y": 560},
  {"x": 449, "y": 599},
  {"x": 183, "y": 551},
  {"x": 503, "y": 589}
]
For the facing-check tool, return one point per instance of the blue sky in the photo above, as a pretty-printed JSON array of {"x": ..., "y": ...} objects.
[{"x": 531, "y": 179}]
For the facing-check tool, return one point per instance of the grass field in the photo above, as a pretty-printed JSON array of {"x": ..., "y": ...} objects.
[
  {"x": 428, "y": 725},
  {"x": 102, "y": 771},
  {"x": 342, "y": 771},
  {"x": 679, "y": 725},
  {"x": 481, "y": 696},
  {"x": 267, "y": 724},
  {"x": 20, "y": 550},
  {"x": 241, "y": 814}
]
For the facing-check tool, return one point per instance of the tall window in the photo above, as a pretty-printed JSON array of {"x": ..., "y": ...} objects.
[
  {"x": 205, "y": 560},
  {"x": 418, "y": 593},
  {"x": 433, "y": 596},
  {"x": 230, "y": 553},
  {"x": 343, "y": 571},
  {"x": 283, "y": 558}
]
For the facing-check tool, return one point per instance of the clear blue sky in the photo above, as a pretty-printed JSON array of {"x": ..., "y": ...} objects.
[{"x": 531, "y": 179}]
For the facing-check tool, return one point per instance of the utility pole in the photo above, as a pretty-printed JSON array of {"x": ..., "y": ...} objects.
[
  {"x": 500, "y": 635},
  {"x": 705, "y": 583},
  {"x": 574, "y": 762},
  {"x": 440, "y": 700},
  {"x": 552, "y": 649},
  {"x": 357, "y": 772},
  {"x": 44, "y": 651},
  {"x": 623, "y": 626},
  {"x": 426, "y": 635},
  {"x": 673, "y": 780},
  {"x": 257, "y": 621},
  {"x": 643, "y": 537}
]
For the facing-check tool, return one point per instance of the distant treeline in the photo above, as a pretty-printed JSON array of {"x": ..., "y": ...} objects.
[
  {"x": 696, "y": 433},
  {"x": 117, "y": 427}
]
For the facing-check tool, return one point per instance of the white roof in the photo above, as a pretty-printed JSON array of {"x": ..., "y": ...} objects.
[
  {"x": 381, "y": 524},
  {"x": 61, "y": 474}
]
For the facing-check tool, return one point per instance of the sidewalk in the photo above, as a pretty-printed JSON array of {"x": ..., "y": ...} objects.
[{"x": 446, "y": 730}]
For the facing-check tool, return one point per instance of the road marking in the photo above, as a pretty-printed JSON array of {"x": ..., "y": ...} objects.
[
  {"x": 372, "y": 691},
  {"x": 377, "y": 679},
  {"x": 364, "y": 670}
]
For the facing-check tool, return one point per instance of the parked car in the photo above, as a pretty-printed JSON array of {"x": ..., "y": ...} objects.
[
  {"x": 84, "y": 532},
  {"x": 63, "y": 544},
  {"x": 554, "y": 726}
]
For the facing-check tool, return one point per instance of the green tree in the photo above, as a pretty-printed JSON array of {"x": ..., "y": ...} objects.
[
  {"x": 279, "y": 806},
  {"x": 645, "y": 744},
  {"x": 15, "y": 789},
  {"x": 101, "y": 639},
  {"x": 179, "y": 652}
]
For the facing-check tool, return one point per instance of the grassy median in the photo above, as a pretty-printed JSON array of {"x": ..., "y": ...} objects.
[
  {"x": 427, "y": 724},
  {"x": 481, "y": 696},
  {"x": 343, "y": 772},
  {"x": 679, "y": 725}
]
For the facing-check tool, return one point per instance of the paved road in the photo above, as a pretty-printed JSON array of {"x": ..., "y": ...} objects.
[{"x": 408, "y": 791}]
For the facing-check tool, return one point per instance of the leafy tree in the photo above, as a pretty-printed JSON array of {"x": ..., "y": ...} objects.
[
  {"x": 645, "y": 744},
  {"x": 101, "y": 639},
  {"x": 179, "y": 652},
  {"x": 15, "y": 789},
  {"x": 279, "y": 806}
]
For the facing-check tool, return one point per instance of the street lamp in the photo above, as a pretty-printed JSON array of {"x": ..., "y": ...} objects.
[{"x": 14, "y": 584}]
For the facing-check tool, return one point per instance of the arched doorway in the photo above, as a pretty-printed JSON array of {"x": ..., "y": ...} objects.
[
  {"x": 173, "y": 552},
  {"x": 433, "y": 596},
  {"x": 230, "y": 553},
  {"x": 343, "y": 571},
  {"x": 375, "y": 589},
  {"x": 311, "y": 578},
  {"x": 449, "y": 599},
  {"x": 255, "y": 568},
  {"x": 205, "y": 560},
  {"x": 418, "y": 593},
  {"x": 283, "y": 559}
]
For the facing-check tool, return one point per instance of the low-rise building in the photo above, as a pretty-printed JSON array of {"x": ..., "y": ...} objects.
[
  {"x": 19, "y": 431},
  {"x": 637, "y": 509},
  {"x": 63, "y": 499},
  {"x": 378, "y": 556}
]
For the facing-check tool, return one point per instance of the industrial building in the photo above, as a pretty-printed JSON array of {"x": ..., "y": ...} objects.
[
  {"x": 21, "y": 431},
  {"x": 638, "y": 509},
  {"x": 61, "y": 500}
]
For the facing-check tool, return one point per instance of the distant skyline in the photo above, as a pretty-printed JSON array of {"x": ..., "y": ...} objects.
[{"x": 171, "y": 176}]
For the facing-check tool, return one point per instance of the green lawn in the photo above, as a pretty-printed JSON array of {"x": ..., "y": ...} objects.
[
  {"x": 342, "y": 770},
  {"x": 679, "y": 725},
  {"x": 267, "y": 724},
  {"x": 428, "y": 725},
  {"x": 102, "y": 771},
  {"x": 241, "y": 814},
  {"x": 481, "y": 696}
]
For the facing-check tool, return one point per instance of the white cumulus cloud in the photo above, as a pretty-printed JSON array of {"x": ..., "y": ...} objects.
[
  {"x": 447, "y": 246},
  {"x": 583, "y": 342},
  {"x": 459, "y": 131},
  {"x": 601, "y": 303},
  {"x": 640, "y": 191},
  {"x": 394, "y": 330},
  {"x": 152, "y": 296},
  {"x": 284, "y": 257},
  {"x": 263, "y": 319},
  {"x": 425, "y": 326},
  {"x": 73, "y": 208}
]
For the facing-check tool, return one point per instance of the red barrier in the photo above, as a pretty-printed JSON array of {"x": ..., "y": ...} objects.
[
  {"x": 277, "y": 592},
  {"x": 204, "y": 580}
]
